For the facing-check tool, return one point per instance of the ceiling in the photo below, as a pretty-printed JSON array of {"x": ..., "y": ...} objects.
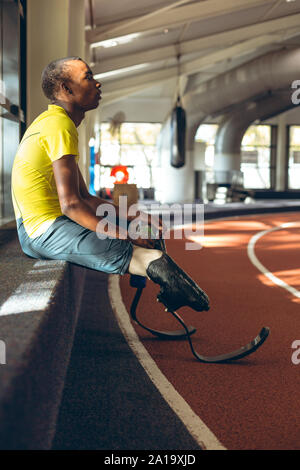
[{"x": 148, "y": 52}]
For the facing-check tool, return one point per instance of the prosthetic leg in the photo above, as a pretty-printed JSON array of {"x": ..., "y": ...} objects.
[{"x": 177, "y": 290}]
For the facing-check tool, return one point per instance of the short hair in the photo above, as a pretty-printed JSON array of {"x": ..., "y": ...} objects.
[{"x": 54, "y": 74}]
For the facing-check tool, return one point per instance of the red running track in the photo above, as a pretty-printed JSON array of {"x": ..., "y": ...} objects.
[{"x": 252, "y": 403}]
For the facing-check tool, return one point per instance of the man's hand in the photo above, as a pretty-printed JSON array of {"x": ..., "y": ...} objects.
[
  {"x": 154, "y": 222},
  {"x": 144, "y": 243},
  {"x": 80, "y": 206}
]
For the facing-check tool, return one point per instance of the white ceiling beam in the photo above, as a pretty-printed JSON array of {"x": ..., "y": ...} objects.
[
  {"x": 170, "y": 18},
  {"x": 215, "y": 40},
  {"x": 271, "y": 9},
  {"x": 237, "y": 50},
  {"x": 291, "y": 33},
  {"x": 117, "y": 96},
  {"x": 143, "y": 18},
  {"x": 144, "y": 80},
  {"x": 129, "y": 60},
  {"x": 113, "y": 96}
]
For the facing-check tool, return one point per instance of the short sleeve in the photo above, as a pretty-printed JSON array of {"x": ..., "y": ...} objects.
[{"x": 60, "y": 143}]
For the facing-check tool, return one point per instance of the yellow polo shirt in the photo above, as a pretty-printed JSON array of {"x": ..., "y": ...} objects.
[{"x": 52, "y": 135}]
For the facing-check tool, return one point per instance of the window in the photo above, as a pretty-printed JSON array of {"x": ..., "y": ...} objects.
[
  {"x": 12, "y": 93},
  {"x": 294, "y": 158},
  {"x": 130, "y": 144},
  {"x": 206, "y": 134},
  {"x": 256, "y": 150}
]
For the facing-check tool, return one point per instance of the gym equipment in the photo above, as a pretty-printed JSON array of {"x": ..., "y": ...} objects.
[{"x": 178, "y": 131}]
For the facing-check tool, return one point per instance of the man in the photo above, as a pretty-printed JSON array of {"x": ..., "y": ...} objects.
[{"x": 56, "y": 215}]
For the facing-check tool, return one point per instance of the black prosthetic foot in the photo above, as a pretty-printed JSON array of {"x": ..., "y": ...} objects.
[{"x": 177, "y": 288}]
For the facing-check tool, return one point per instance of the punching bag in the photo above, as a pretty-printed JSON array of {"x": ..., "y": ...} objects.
[{"x": 178, "y": 129}]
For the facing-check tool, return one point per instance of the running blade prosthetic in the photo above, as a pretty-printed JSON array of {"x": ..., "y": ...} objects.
[{"x": 185, "y": 292}]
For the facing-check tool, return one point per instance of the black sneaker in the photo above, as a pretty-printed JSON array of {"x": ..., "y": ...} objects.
[{"x": 177, "y": 288}]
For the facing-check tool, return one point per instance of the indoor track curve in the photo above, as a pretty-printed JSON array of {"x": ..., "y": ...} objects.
[{"x": 252, "y": 403}]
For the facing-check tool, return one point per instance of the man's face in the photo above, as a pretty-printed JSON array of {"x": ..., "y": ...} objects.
[{"x": 86, "y": 91}]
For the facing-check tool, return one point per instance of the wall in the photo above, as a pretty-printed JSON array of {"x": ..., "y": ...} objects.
[
  {"x": 10, "y": 95},
  {"x": 54, "y": 29}
]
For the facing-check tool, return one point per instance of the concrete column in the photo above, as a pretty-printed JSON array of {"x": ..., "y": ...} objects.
[
  {"x": 77, "y": 47},
  {"x": 281, "y": 166},
  {"x": 173, "y": 185},
  {"x": 76, "y": 31},
  {"x": 196, "y": 157},
  {"x": 227, "y": 162},
  {"x": 55, "y": 29},
  {"x": 232, "y": 129},
  {"x": 47, "y": 40},
  {"x": 200, "y": 171}
]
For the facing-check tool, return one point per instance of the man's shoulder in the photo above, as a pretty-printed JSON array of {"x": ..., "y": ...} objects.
[{"x": 54, "y": 120}]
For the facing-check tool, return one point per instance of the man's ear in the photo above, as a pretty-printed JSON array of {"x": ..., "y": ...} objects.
[{"x": 66, "y": 88}]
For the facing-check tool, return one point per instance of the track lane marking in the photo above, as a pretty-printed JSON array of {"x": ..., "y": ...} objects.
[
  {"x": 255, "y": 261},
  {"x": 196, "y": 427}
]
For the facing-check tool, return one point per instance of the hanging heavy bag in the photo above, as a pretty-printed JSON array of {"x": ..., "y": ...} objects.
[{"x": 178, "y": 130}]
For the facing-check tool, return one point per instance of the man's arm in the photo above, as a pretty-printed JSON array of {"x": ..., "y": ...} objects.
[
  {"x": 73, "y": 196},
  {"x": 75, "y": 202},
  {"x": 94, "y": 202}
]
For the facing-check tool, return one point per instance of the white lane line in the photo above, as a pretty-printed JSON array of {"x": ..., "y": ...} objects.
[
  {"x": 253, "y": 258},
  {"x": 196, "y": 427}
]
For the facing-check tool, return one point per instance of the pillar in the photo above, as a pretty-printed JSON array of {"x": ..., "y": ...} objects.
[
  {"x": 232, "y": 129},
  {"x": 174, "y": 185},
  {"x": 281, "y": 158},
  {"x": 55, "y": 29}
]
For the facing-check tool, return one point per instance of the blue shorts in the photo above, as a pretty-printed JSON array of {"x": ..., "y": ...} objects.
[{"x": 69, "y": 241}]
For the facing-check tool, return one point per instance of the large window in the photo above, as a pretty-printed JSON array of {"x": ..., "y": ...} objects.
[
  {"x": 130, "y": 144},
  {"x": 12, "y": 93},
  {"x": 206, "y": 134},
  {"x": 294, "y": 157},
  {"x": 257, "y": 155}
]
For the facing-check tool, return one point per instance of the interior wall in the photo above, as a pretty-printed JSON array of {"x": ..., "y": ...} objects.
[
  {"x": 47, "y": 39},
  {"x": 55, "y": 29},
  {"x": 76, "y": 47}
]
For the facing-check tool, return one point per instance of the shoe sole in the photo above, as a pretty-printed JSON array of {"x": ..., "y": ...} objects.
[{"x": 204, "y": 306}]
